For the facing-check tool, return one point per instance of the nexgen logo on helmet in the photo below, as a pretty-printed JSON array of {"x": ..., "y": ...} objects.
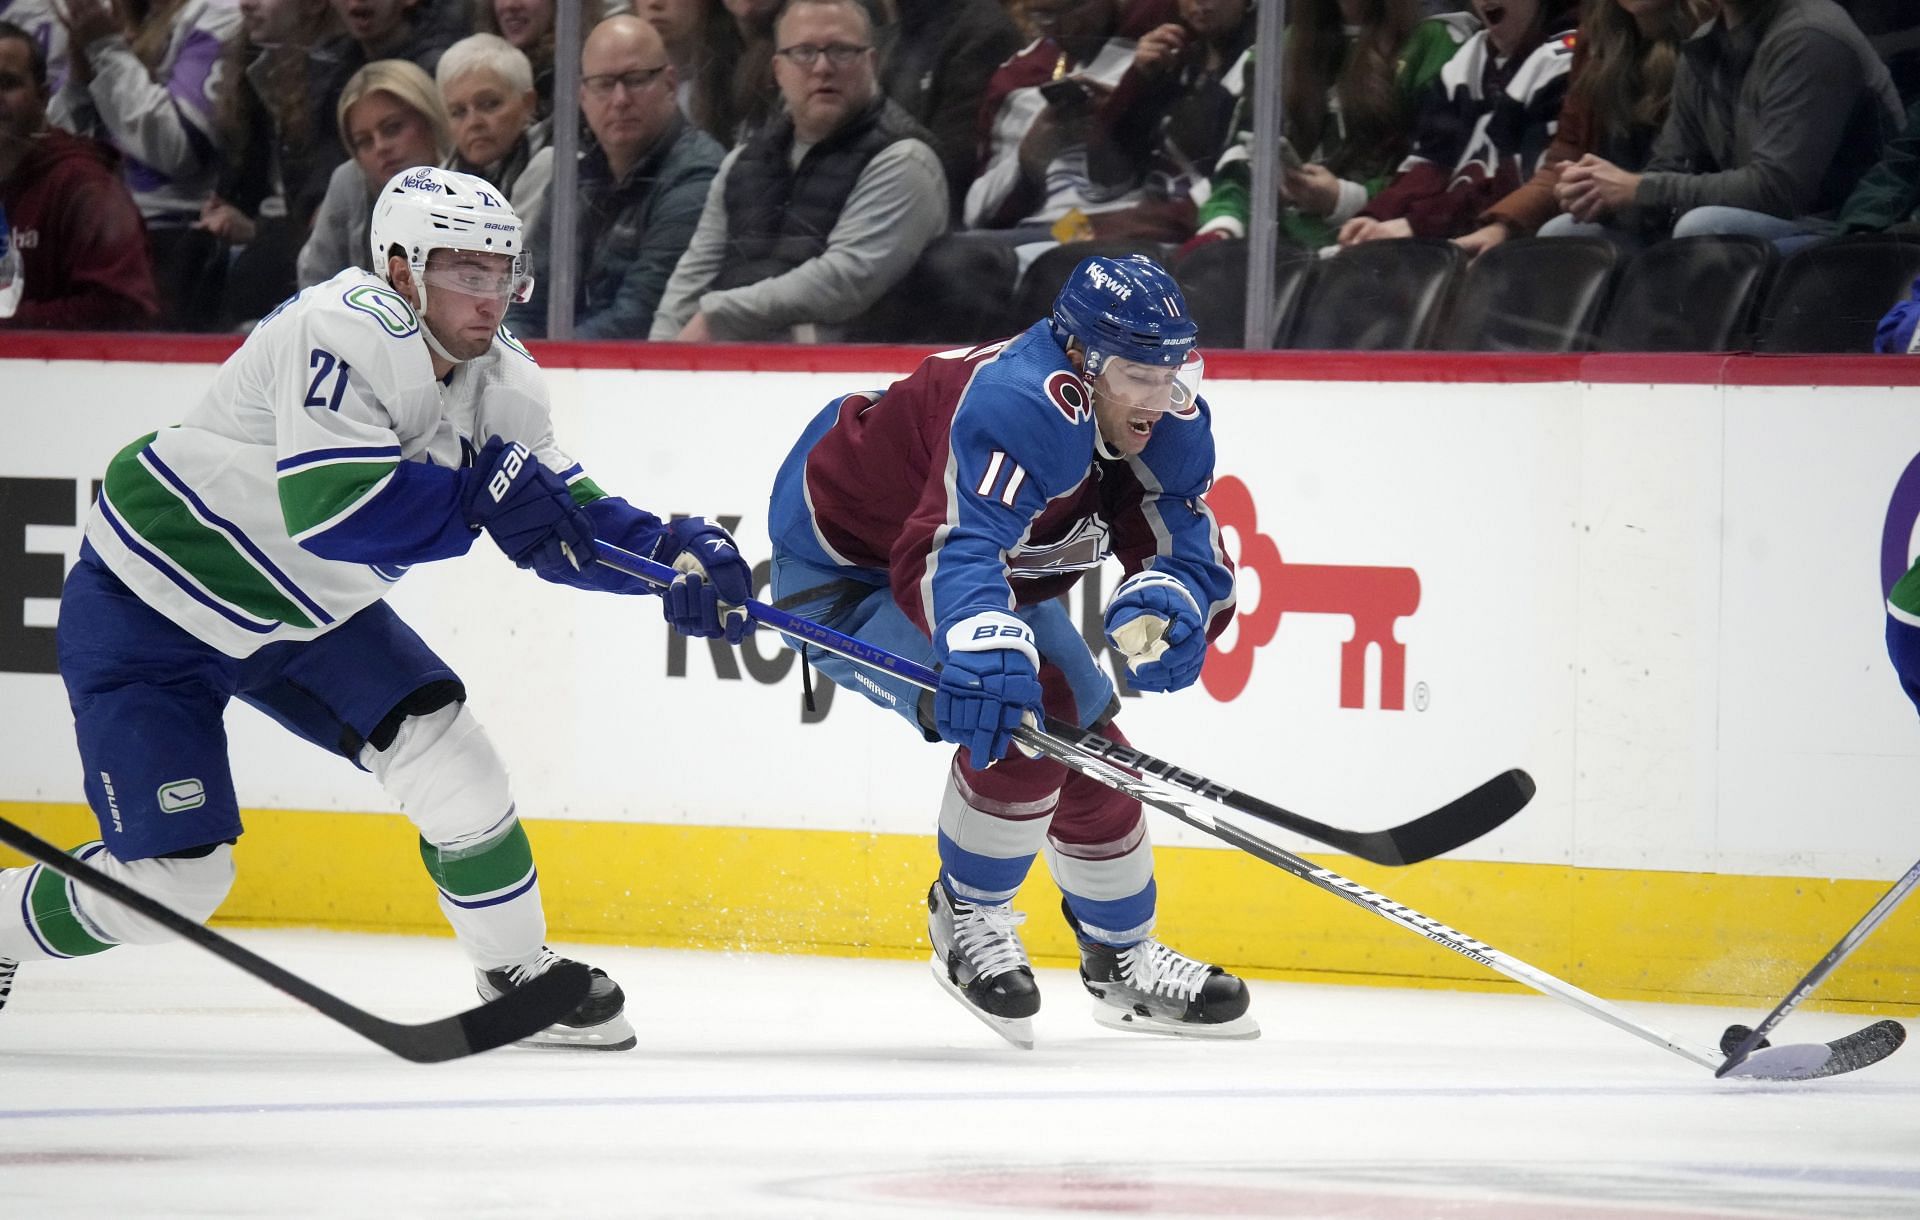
[{"x": 424, "y": 209}]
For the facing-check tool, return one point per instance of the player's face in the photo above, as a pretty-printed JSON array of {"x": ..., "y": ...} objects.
[
  {"x": 387, "y": 136},
  {"x": 1128, "y": 400},
  {"x": 466, "y": 298},
  {"x": 488, "y": 116}
]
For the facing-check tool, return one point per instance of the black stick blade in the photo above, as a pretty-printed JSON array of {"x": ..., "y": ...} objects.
[
  {"x": 520, "y": 1013},
  {"x": 1453, "y": 825},
  {"x": 1811, "y": 1061}
]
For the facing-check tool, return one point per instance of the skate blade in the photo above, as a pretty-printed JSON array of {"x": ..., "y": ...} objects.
[
  {"x": 614, "y": 1034},
  {"x": 1241, "y": 1028},
  {"x": 1017, "y": 1030}
]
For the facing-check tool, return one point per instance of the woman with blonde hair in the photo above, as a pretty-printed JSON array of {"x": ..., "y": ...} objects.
[
  {"x": 1622, "y": 84},
  {"x": 390, "y": 117}
]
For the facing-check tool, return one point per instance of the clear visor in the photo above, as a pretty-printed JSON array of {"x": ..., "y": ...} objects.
[
  {"x": 500, "y": 281},
  {"x": 1153, "y": 387}
]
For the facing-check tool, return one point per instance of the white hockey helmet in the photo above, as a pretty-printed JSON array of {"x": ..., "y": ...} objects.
[{"x": 426, "y": 208}]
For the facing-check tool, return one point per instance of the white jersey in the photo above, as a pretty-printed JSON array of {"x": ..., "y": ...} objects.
[{"x": 273, "y": 511}]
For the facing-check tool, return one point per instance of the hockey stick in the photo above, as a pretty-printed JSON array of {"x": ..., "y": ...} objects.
[
  {"x": 515, "y": 1015},
  {"x": 1454, "y": 824},
  {"x": 1750, "y": 1039},
  {"x": 1807, "y": 1061}
]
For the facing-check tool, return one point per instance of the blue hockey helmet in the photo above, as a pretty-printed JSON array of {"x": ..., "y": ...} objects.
[{"x": 1127, "y": 307}]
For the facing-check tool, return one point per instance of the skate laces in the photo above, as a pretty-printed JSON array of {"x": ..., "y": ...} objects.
[
  {"x": 1154, "y": 968},
  {"x": 525, "y": 973},
  {"x": 989, "y": 936}
]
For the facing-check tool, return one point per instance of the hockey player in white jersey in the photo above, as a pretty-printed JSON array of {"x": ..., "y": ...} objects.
[{"x": 370, "y": 423}]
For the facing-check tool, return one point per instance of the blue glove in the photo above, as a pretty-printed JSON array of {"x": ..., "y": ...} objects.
[
  {"x": 990, "y": 680},
  {"x": 709, "y": 596},
  {"x": 1156, "y": 625},
  {"x": 526, "y": 508}
]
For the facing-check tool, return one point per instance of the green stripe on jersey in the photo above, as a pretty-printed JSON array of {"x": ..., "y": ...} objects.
[
  {"x": 51, "y": 904},
  {"x": 474, "y": 872},
  {"x": 1906, "y": 591},
  {"x": 163, "y": 520},
  {"x": 321, "y": 493},
  {"x": 585, "y": 490}
]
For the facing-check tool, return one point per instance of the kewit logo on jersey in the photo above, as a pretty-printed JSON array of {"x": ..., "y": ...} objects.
[{"x": 1374, "y": 598}]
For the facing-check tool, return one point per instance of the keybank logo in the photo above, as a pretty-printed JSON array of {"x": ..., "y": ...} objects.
[{"x": 1374, "y": 598}]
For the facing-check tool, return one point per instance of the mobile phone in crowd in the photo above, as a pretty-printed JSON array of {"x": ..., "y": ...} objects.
[{"x": 1069, "y": 95}]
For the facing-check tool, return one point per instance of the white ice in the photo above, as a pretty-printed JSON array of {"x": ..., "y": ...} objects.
[{"x": 162, "y": 1082}]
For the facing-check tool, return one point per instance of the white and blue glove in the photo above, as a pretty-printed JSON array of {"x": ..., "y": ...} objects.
[
  {"x": 525, "y": 507},
  {"x": 989, "y": 682},
  {"x": 1156, "y": 625},
  {"x": 709, "y": 596}
]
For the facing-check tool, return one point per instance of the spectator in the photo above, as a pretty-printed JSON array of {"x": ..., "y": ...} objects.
[
  {"x": 1622, "y": 85},
  {"x": 741, "y": 96},
  {"x": 1172, "y": 118},
  {"x": 412, "y": 30},
  {"x": 824, "y": 209},
  {"x": 936, "y": 57},
  {"x": 1483, "y": 123},
  {"x": 690, "y": 30},
  {"x": 390, "y": 117},
  {"x": 1893, "y": 29},
  {"x": 487, "y": 85},
  {"x": 83, "y": 255},
  {"x": 1036, "y": 146},
  {"x": 642, "y": 184},
  {"x": 274, "y": 166},
  {"x": 1889, "y": 195},
  {"x": 528, "y": 25},
  {"x": 1353, "y": 74},
  {"x": 41, "y": 20},
  {"x": 1779, "y": 108},
  {"x": 143, "y": 79}
]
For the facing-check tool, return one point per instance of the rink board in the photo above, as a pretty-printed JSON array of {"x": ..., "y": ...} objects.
[{"x": 1656, "y": 584}]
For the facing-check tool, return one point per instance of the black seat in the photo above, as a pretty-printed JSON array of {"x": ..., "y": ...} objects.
[
  {"x": 1532, "y": 294},
  {"x": 1214, "y": 280},
  {"x": 1043, "y": 280},
  {"x": 1688, "y": 294},
  {"x": 956, "y": 293},
  {"x": 1378, "y": 297},
  {"x": 1831, "y": 297}
]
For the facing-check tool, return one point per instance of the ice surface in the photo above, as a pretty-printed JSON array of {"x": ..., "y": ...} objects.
[{"x": 162, "y": 1082}]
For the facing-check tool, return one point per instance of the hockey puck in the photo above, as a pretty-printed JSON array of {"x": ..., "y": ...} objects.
[{"x": 1735, "y": 1035}]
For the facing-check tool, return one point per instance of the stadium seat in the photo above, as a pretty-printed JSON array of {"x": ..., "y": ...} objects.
[
  {"x": 1033, "y": 300},
  {"x": 1688, "y": 294},
  {"x": 1377, "y": 297},
  {"x": 1531, "y": 295},
  {"x": 1214, "y": 280},
  {"x": 957, "y": 293},
  {"x": 1830, "y": 297}
]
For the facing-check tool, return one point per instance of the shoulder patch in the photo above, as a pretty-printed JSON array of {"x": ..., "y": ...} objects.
[
  {"x": 512, "y": 343},
  {"x": 1069, "y": 396},
  {"x": 384, "y": 306}
]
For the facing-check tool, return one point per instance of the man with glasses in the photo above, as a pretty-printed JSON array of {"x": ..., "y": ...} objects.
[
  {"x": 372, "y": 422},
  {"x": 642, "y": 183},
  {"x": 822, "y": 210}
]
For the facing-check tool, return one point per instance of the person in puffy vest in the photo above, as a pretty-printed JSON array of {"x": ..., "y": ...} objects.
[{"x": 811, "y": 220}]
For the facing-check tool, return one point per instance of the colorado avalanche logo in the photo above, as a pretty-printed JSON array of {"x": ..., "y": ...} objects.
[{"x": 1067, "y": 392}]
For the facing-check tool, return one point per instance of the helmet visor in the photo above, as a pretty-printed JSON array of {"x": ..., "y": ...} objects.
[{"x": 489, "y": 275}]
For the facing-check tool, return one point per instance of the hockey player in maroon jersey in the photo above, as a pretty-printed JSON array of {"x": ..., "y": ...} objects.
[{"x": 941, "y": 519}]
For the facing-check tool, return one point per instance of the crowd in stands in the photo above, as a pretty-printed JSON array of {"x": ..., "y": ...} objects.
[{"x": 775, "y": 170}]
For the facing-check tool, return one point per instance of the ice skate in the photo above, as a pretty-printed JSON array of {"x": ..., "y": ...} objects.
[
  {"x": 1149, "y": 988},
  {"x": 599, "y": 1024},
  {"x": 6, "y": 979},
  {"x": 978, "y": 958}
]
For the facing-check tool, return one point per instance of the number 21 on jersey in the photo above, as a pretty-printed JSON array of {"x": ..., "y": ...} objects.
[{"x": 324, "y": 363}]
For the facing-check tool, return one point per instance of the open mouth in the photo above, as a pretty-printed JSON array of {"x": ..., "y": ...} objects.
[{"x": 1140, "y": 427}]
